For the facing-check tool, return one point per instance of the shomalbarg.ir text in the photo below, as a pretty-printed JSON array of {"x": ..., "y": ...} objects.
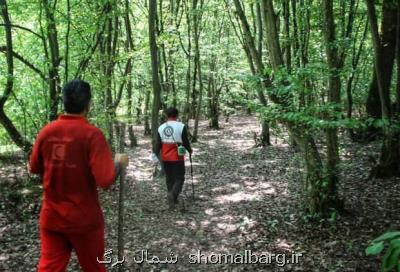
[{"x": 246, "y": 257}]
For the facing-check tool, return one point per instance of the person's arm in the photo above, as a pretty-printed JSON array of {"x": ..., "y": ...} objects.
[
  {"x": 100, "y": 161},
  {"x": 35, "y": 164},
  {"x": 185, "y": 140},
  {"x": 157, "y": 147}
]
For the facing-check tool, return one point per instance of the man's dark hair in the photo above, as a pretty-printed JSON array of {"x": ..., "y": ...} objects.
[
  {"x": 171, "y": 112},
  {"x": 76, "y": 95}
]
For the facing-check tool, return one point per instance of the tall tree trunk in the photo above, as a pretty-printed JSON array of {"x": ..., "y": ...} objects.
[
  {"x": 213, "y": 97},
  {"x": 357, "y": 50},
  {"x": 66, "y": 54},
  {"x": 212, "y": 94},
  {"x": 129, "y": 47},
  {"x": 295, "y": 39},
  {"x": 390, "y": 154},
  {"x": 256, "y": 67},
  {"x": 162, "y": 61},
  {"x": 188, "y": 90},
  {"x": 196, "y": 25},
  {"x": 147, "y": 129},
  {"x": 155, "y": 69},
  {"x": 98, "y": 37},
  {"x": 265, "y": 139},
  {"x": 54, "y": 78},
  {"x": 315, "y": 192},
  {"x": 385, "y": 48},
  {"x": 334, "y": 67},
  {"x": 109, "y": 49},
  {"x": 288, "y": 53},
  {"x": 4, "y": 120}
]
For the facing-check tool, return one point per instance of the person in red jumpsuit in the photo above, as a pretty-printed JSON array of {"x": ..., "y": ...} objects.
[{"x": 73, "y": 158}]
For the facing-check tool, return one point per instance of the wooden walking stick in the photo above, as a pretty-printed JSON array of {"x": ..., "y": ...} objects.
[
  {"x": 121, "y": 128},
  {"x": 191, "y": 173}
]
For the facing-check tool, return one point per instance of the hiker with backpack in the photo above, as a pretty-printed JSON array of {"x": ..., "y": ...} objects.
[{"x": 171, "y": 146}]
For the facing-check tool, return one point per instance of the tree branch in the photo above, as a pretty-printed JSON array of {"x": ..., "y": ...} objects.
[
  {"x": 3, "y": 49},
  {"x": 24, "y": 28}
]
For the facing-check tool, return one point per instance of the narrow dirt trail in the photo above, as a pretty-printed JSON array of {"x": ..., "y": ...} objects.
[
  {"x": 246, "y": 198},
  {"x": 231, "y": 190}
]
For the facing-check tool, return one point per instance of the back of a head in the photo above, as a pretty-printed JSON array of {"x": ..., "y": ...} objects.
[
  {"x": 171, "y": 112},
  {"x": 76, "y": 96}
]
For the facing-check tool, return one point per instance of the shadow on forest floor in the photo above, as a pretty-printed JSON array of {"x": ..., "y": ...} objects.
[{"x": 246, "y": 198}]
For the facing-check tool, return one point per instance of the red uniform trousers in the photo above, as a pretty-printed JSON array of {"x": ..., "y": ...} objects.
[{"x": 56, "y": 250}]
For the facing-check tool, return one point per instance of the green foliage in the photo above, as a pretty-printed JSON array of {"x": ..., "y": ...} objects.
[
  {"x": 304, "y": 86},
  {"x": 391, "y": 258}
]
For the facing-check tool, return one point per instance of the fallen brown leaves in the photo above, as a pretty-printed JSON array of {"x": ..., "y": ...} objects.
[{"x": 246, "y": 199}]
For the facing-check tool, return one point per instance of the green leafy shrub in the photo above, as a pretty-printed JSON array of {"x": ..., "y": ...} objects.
[{"x": 391, "y": 258}]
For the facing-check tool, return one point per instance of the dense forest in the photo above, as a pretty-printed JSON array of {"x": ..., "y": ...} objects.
[{"x": 292, "y": 107}]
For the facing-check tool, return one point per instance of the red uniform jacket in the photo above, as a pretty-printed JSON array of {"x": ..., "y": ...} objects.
[{"x": 73, "y": 158}]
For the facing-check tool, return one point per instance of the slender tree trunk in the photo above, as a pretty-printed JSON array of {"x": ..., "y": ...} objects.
[
  {"x": 139, "y": 103},
  {"x": 12, "y": 131},
  {"x": 265, "y": 139},
  {"x": 315, "y": 192},
  {"x": 333, "y": 98},
  {"x": 129, "y": 47},
  {"x": 155, "y": 69},
  {"x": 162, "y": 62},
  {"x": 213, "y": 119},
  {"x": 288, "y": 53},
  {"x": 349, "y": 84},
  {"x": 212, "y": 94},
  {"x": 132, "y": 137},
  {"x": 66, "y": 56},
  {"x": 147, "y": 129},
  {"x": 385, "y": 49},
  {"x": 256, "y": 67},
  {"x": 295, "y": 42},
  {"x": 196, "y": 25},
  {"x": 390, "y": 154},
  {"x": 98, "y": 38},
  {"x": 54, "y": 78},
  {"x": 108, "y": 50},
  {"x": 188, "y": 90}
]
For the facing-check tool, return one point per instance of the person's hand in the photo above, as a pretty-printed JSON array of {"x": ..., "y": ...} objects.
[
  {"x": 122, "y": 159},
  {"x": 154, "y": 159}
]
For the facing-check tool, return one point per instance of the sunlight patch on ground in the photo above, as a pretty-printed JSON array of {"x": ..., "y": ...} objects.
[
  {"x": 204, "y": 224},
  {"x": 238, "y": 145},
  {"x": 219, "y": 189},
  {"x": 283, "y": 244},
  {"x": 226, "y": 227},
  {"x": 260, "y": 187},
  {"x": 181, "y": 222},
  {"x": 234, "y": 185},
  {"x": 236, "y": 197},
  {"x": 265, "y": 185},
  {"x": 4, "y": 257},
  {"x": 210, "y": 211},
  {"x": 212, "y": 142},
  {"x": 248, "y": 166}
]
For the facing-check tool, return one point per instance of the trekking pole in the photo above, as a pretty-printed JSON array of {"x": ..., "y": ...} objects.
[
  {"x": 121, "y": 198},
  {"x": 191, "y": 173}
]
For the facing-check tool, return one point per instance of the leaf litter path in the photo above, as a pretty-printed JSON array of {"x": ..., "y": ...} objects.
[
  {"x": 246, "y": 199},
  {"x": 231, "y": 191}
]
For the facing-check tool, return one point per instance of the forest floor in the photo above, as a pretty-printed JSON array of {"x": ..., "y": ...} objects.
[{"x": 246, "y": 198}]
